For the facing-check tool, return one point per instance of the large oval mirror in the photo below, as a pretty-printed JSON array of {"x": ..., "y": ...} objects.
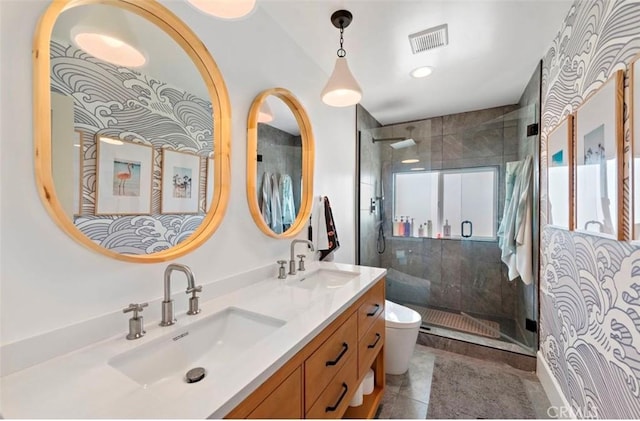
[
  {"x": 131, "y": 129},
  {"x": 280, "y": 154}
]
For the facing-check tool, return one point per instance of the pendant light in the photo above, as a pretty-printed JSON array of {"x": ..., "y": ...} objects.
[
  {"x": 342, "y": 89},
  {"x": 225, "y": 9},
  {"x": 113, "y": 42}
]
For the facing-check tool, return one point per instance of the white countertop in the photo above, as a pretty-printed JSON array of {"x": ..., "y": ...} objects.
[{"x": 81, "y": 384}]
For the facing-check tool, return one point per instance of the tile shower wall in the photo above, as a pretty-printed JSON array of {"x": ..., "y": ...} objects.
[
  {"x": 589, "y": 306},
  {"x": 462, "y": 275},
  {"x": 281, "y": 153},
  {"x": 369, "y": 183}
]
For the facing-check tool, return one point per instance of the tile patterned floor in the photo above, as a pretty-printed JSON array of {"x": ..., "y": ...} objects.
[{"x": 407, "y": 395}]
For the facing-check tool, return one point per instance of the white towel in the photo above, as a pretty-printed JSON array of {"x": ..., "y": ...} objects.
[
  {"x": 515, "y": 229},
  {"x": 286, "y": 200},
  {"x": 319, "y": 225},
  {"x": 265, "y": 206},
  {"x": 276, "y": 207}
]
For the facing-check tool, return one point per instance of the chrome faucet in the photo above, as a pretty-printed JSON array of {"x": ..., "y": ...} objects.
[
  {"x": 167, "y": 303},
  {"x": 292, "y": 261}
]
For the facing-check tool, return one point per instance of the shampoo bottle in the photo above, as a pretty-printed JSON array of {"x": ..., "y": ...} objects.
[
  {"x": 401, "y": 227},
  {"x": 407, "y": 227},
  {"x": 429, "y": 229},
  {"x": 395, "y": 226},
  {"x": 446, "y": 229},
  {"x": 421, "y": 231}
]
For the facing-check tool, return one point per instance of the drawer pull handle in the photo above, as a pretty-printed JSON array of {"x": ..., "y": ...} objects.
[
  {"x": 373, "y": 313},
  {"x": 373, "y": 345},
  {"x": 344, "y": 392},
  {"x": 345, "y": 348}
]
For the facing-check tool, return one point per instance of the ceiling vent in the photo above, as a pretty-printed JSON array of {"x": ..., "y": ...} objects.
[{"x": 429, "y": 39}]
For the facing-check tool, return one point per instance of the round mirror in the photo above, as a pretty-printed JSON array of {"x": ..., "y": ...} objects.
[
  {"x": 131, "y": 129},
  {"x": 279, "y": 163}
]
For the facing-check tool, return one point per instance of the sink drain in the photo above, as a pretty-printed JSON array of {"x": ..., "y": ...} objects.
[{"x": 195, "y": 375}]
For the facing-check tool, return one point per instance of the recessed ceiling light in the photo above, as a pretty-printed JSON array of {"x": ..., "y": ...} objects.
[
  {"x": 417, "y": 169},
  {"x": 423, "y": 71},
  {"x": 410, "y": 161},
  {"x": 225, "y": 9},
  {"x": 109, "y": 49}
]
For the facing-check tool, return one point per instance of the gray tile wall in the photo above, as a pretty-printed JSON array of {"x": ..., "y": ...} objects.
[
  {"x": 282, "y": 154},
  {"x": 463, "y": 275},
  {"x": 370, "y": 169}
]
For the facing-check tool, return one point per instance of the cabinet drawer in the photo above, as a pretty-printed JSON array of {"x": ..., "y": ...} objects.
[
  {"x": 372, "y": 306},
  {"x": 370, "y": 345},
  {"x": 335, "y": 398},
  {"x": 322, "y": 366},
  {"x": 285, "y": 402}
]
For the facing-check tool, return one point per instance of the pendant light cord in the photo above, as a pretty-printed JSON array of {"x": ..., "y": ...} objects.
[{"x": 341, "y": 51}]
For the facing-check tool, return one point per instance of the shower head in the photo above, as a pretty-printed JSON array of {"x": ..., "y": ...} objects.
[
  {"x": 403, "y": 144},
  {"x": 400, "y": 142}
]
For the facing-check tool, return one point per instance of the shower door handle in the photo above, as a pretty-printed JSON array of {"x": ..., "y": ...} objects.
[{"x": 462, "y": 225}]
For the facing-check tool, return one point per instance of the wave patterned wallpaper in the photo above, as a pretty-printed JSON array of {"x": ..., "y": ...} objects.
[
  {"x": 590, "y": 286},
  {"x": 121, "y": 103}
]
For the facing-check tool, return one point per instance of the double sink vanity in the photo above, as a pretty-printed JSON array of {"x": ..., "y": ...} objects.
[
  {"x": 274, "y": 348},
  {"x": 262, "y": 344}
]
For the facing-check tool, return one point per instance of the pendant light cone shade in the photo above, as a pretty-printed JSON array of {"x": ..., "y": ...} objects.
[
  {"x": 108, "y": 38},
  {"x": 225, "y": 9},
  {"x": 342, "y": 89},
  {"x": 265, "y": 115}
]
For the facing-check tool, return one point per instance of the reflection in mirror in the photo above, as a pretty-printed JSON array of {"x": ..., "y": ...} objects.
[
  {"x": 279, "y": 163},
  {"x": 634, "y": 84},
  {"x": 279, "y": 169},
  {"x": 132, "y": 147}
]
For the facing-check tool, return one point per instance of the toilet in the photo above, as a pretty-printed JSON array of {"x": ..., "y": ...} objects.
[{"x": 401, "y": 328}]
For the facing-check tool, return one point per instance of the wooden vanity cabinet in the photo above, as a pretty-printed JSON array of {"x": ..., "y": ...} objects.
[{"x": 320, "y": 380}]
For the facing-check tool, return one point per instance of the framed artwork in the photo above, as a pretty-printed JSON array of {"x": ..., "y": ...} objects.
[
  {"x": 559, "y": 175},
  {"x": 634, "y": 120},
  {"x": 123, "y": 177},
  {"x": 180, "y": 182},
  {"x": 77, "y": 171},
  {"x": 209, "y": 184},
  {"x": 598, "y": 156}
]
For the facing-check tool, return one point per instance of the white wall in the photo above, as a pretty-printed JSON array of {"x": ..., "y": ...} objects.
[{"x": 47, "y": 281}]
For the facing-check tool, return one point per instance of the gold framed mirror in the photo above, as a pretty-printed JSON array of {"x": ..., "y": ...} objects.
[
  {"x": 280, "y": 157},
  {"x": 122, "y": 129}
]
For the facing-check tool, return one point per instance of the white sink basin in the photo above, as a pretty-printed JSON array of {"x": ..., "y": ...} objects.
[
  {"x": 211, "y": 343},
  {"x": 323, "y": 278}
]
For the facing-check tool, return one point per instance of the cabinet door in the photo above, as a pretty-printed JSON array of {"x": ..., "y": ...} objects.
[
  {"x": 371, "y": 308},
  {"x": 285, "y": 402},
  {"x": 335, "y": 398},
  {"x": 328, "y": 359}
]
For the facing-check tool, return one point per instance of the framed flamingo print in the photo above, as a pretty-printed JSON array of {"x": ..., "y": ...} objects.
[
  {"x": 123, "y": 177},
  {"x": 180, "y": 182}
]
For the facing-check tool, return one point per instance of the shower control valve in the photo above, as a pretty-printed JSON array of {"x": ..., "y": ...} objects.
[{"x": 301, "y": 263}]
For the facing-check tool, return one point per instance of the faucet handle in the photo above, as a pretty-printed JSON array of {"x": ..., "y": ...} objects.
[
  {"x": 136, "y": 308},
  {"x": 193, "y": 301},
  {"x": 301, "y": 263},
  {"x": 282, "y": 273},
  {"x": 194, "y": 290},
  {"x": 136, "y": 327}
]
